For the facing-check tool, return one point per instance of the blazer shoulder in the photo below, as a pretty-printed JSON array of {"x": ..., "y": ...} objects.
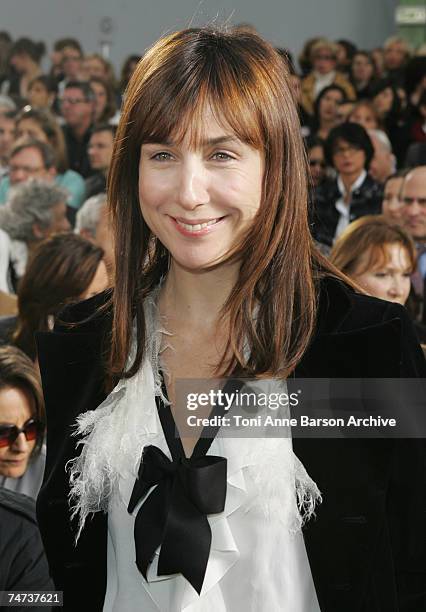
[
  {"x": 91, "y": 315},
  {"x": 341, "y": 309}
]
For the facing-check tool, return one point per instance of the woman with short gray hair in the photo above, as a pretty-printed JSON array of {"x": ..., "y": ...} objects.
[{"x": 36, "y": 209}]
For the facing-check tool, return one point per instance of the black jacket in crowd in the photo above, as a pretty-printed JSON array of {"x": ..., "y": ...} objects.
[
  {"x": 367, "y": 545},
  {"x": 23, "y": 564},
  {"x": 366, "y": 200}
]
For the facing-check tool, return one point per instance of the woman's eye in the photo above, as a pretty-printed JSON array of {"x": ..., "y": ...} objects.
[
  {"x": 380, "y": 274},
  {"x": 162, "y": 156},
  {"x": 222, "y": 156}
]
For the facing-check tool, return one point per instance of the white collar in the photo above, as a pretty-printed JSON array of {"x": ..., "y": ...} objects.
[{"x": 355, "y": 185}]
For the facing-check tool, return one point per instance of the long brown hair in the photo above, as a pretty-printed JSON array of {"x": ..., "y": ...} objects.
[
  {"x": 241, "y": 78},
  {"x": 364, "y": 242},
  {"x": 54, "y": 134},
  {"x": 59, "y": 272}
]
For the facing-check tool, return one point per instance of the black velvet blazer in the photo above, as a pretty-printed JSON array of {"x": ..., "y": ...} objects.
[{"x": 367, "y": 545}]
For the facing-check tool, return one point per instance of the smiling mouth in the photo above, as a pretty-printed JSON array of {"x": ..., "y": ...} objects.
[{"x": 197, "y": 226}]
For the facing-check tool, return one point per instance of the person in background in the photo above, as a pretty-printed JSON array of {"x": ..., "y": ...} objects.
[
  {"x": 418, "y": 127},
  {"x": 380, "y": 256},
  {"x": 100, "y": 150},
  {"x": 396, "y": 53},
  {"x": 5, "y": 46},
  {"x": 97, "y": 67},
  {"x": 78, "y": 108},
  {"x": 42, "y": 126},
  {"x": 383, "y": 163},
  {"x": 345, "y": 53},
  {"x": 362, "y": 74},
  {"x": 366, "y": 115},
  {"x": 28, "y": 159},
  {"x": 392, "y": 204},
  {"x": 35, "y": 210},
  {"x": 25, "y": 58},
  {"x": 105, "y": 105},
  {"x": 71, "y": 62},
  {"x": 93, "y": 222},
  {"x": 344, "y": 109},
  {"x": 325, "y": 110},
  {"x": 413, "y": 198},
  {"x": 377, "y": 55},
  {"x": 22, "y": 423},
  {"x": 127, "y": 70},
  {"x": 324, "y": 73},
  {"x": 64, "y": 268},
  {"x": 42, "y": 92},
  {"x": 393, "y": 118},
  {"x": 6, "y": 104},
  {"x": 353, "y": 193},
  {"x": 21, "y": 548},
  {"x": 316, "y": 160},
  {"x": 7, "y": 138}
]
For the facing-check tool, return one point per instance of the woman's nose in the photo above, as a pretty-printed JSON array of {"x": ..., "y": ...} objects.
[
  {"x": 193, "y": 185},
  {"x": 20, "y": 443}
]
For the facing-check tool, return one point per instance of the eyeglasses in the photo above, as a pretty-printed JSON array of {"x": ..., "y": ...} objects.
[
  {"x": 316, "y": 162},
  {"x": 9, "y": 433},
  {"x": 348, "y": 149},
  {"x": 72, "y": 101},
  {"x": 26, "y": 169}
]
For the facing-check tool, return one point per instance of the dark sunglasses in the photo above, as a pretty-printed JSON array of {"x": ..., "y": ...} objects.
[{"x": 9, "y": 433}]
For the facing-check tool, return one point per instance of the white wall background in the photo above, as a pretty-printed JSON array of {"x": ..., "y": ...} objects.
[{"x": 138, "y": 23}]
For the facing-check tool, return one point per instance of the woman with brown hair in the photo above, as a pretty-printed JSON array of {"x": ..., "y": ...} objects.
[
  {"x": 380, "y": 256},
  {"x": 22, "y": 423},
  {"x": 38, "y": 124},
  {"x": 105, "y": 105},
  {"x": 63, "y": 269},
  {"x": 216, "y": 275}
]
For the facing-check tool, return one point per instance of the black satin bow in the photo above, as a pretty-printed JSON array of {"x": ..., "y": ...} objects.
[{"x": 174, "y": 513}]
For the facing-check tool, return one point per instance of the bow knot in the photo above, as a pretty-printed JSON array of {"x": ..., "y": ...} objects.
[{"x": 174, "y": 514}]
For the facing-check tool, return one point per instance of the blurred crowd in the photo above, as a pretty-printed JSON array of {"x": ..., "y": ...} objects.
[{"x": 363, "y": 120}]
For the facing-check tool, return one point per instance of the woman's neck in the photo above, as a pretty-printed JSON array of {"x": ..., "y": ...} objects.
[{"x": 195, "y": 298}]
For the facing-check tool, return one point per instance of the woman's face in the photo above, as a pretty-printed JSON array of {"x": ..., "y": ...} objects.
[
  {"x": 392, "y": 205},
  {"x": 324, "y": 61},
  {"x": 348, "y": 159},
  {"x": 200, "y": 201},
  {"x": 316, "y": 164},
  {"x": 98, "y": 283},
  {"x": 362, "y": 68},
  {"x": 38, "y": 96},
  {"x": 100, "y": 99},
  {"x": 365, "y": 117},
  {"x": 383, "y": 101},
  {"x": 28, "y": 128},
  {"x": 15, "y": 409},
  {"x": 328, "y": 105},
  {"x": 389, "y": 280},
  {"x": 94, "y": 67}
]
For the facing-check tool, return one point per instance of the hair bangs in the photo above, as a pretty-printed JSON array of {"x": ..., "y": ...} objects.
[{"x": 212, "y": 85}]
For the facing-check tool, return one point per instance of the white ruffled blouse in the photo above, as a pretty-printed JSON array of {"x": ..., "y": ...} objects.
[{"x": 257, "y": 560}]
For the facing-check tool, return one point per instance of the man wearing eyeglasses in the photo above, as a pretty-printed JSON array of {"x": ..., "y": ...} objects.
[
  {"x": 29, "y": 159},
  {"x": 77, "y": 108},
  {"x": 413, "y": 198}
]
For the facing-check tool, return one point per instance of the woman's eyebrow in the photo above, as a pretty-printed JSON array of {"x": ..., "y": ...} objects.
[{"x": 208, "y": 142}]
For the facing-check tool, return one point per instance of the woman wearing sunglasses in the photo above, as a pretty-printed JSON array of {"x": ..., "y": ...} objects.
[{"x": 22, "y": 454}]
